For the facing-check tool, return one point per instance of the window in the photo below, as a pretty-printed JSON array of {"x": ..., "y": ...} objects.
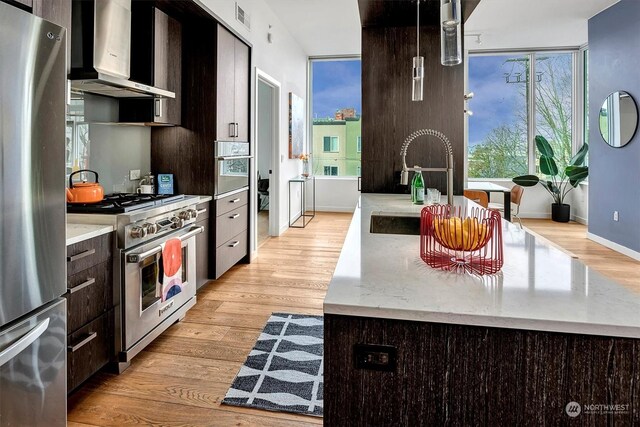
[
  {"x": 331, "y": 170},
  {"x": 331, "y": 144},
  {"x": 359, "y": 171},
  {"x": 336, "y": 100},
  {"x": 507, "y": 117},
  {"x": 359, "y": 147}
]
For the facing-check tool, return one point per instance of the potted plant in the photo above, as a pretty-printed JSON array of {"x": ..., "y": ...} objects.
[{"x": 559, "y": 182}]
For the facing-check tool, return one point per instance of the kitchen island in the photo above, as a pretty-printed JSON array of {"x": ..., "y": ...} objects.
[{"x": 462, "y": 349}]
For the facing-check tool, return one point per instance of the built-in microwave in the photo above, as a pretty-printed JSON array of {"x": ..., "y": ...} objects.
[{"x": 232, "y": 166}]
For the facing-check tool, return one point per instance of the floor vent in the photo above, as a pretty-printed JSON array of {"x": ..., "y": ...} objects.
[{"x": 243, "y": 17}]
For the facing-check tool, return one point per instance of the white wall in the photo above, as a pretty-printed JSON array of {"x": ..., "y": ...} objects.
[
  {"x": 264, "y": 129},
  {"x": 285, "y": 61},
  {"x": 335, "y": 194}
]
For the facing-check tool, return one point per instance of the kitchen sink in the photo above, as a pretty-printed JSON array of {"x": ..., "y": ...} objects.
[{"x": 395, "y": 223}]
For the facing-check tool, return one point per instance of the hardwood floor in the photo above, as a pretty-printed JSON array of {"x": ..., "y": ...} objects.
[
  {"x": 573, "y": 238},
  {"x": 181, "y": 378}
]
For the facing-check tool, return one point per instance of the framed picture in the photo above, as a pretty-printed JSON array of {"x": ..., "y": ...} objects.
[{"x": 296, "y": 126}]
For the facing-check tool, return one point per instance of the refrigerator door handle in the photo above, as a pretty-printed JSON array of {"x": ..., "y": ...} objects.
[{"x": 29, "y": 338}]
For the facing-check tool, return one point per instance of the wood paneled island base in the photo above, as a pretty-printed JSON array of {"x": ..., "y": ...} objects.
[{"x": 470, "y": 375}]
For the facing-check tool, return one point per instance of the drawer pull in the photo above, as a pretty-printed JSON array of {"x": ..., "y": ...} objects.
[
  {"x": 234, "y": 244},
  {"x": 81, "y": 286},
  {"x": 234, "y": 201},
  {"x": 83, "y": 342},
  {"x": 234, "y": 216},
  {"x": 81, "y": 255},
  {"x": 201, "y": 211}
]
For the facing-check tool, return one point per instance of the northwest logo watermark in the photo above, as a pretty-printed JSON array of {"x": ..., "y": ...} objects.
[{"x": 574, "y": 409}]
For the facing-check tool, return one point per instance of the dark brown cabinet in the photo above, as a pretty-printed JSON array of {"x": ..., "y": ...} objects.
[
  {"x": 90, "y": 320},
  {"x": 156, "y": 60},
  {"x": 232, "y": 99}
]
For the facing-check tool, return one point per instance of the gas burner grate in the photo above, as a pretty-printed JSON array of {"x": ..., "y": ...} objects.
[{"x": 123, "y": 202}]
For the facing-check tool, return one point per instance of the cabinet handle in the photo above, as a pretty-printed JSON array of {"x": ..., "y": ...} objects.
[
  {"x": 234, "y": 201},
  {"x": 81, "y": 286},
  {"x": 201, "y": 211},
  {"x": 237, "y": 130},
  {"x": 81, "y": 255},
  {"x": 234, "y": 216},
  {"x": 83, "y": 342},
  {"x": 158, "y": 107},
  {"x": 232, "y": 130},
  {"x": 234, "y": 244}
]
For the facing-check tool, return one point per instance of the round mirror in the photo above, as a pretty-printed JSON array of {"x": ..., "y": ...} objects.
[{"x": 618, "y": 119}]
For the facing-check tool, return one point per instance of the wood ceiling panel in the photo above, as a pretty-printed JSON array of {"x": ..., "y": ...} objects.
[{"x": 402, "y": 13}]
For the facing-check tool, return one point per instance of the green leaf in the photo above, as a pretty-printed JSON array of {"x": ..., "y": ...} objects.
[
  {"x": 526, "y": 180},
  {"x": 576, "y": 174},
  {"x": 543, "y": 146},
  {"x": 578, "y": 159},
  {"x": 548, "y": 166},
  {"x": 552, "y": 189}
]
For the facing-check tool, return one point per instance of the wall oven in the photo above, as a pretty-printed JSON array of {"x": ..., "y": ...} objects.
[{"x": 232, "y": 166}]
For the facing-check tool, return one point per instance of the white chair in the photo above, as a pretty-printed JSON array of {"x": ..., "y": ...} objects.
[{"x": 516, "y": 198}]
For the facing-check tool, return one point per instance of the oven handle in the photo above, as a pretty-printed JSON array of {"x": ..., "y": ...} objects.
[
  {"x": 223, "y": 158},
  {"x": 135, "y": 258}
]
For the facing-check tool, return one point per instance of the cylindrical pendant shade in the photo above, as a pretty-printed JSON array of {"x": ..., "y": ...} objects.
[
  {"x": 450, "y": 40},
  {"x": 418, "y": 79},
  {"x": 450, "y": 46}
]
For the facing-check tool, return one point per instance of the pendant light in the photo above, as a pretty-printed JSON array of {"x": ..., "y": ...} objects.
[
  {"x": 418, "y": 65},
  {"x": 450, "y": 46}
]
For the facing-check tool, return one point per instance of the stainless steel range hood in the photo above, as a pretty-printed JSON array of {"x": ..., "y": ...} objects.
[{"x": 101, "y": 49}]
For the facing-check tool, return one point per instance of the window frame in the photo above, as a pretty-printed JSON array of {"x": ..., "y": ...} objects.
[
  {"x": 359, "y": 144},
  {"x": 331, "y": 168},
  {"x": 578, "y": 87},
  {"x": 331, "y": 139}
]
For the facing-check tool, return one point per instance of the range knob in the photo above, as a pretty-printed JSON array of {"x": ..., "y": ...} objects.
[
  {"x": 138, "y": 232},
  {"x": 150, "y": 228},
  {"x": 185, "y": 215},
  {"x": 176, "y": 222}
]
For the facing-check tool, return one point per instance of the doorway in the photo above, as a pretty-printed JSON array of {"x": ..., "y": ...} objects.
[{"x": 268, "y": 153}]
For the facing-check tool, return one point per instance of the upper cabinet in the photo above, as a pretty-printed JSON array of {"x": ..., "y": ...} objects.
[
  {"x": 156, "y": 60},
  {"x": 232, "y": 100}
]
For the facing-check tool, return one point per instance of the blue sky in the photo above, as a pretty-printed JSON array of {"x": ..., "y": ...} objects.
[
  {"x": 336, "y": 85},
  {"x": 495, "y": 102}
]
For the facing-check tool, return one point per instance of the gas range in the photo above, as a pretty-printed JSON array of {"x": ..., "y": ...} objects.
[
  {"x": 138, "y": 218},
  {"x": 123, "y": 202}
]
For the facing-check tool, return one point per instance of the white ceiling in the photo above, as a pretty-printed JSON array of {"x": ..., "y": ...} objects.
[
  {"x": 321, "y": 27},
  {"x": 332, "y": 27},
  {"x": 517, "y": 24}
]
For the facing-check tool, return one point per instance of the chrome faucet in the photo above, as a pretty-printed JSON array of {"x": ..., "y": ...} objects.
[{"x": 404, "y": 176}]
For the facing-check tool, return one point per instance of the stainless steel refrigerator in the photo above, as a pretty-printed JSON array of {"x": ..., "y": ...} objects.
[{"x": 32, "y": 221}]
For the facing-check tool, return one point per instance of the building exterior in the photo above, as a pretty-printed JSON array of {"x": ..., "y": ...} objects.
[{"x": 337, "y": 144}]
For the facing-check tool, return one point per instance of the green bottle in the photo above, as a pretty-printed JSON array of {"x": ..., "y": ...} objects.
[{"x": 417, "y": 188}]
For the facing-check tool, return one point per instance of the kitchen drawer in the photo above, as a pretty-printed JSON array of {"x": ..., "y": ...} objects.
[
  {"x": 230, "y": 253},
  {"x": 89, "y": 349},
  {"x": 231, "y": 224},
  {"x": 89, "y": 295},
  {"x": 88, "y": 253},
  {"x": 232, "y": 202},
  {"x": 204, "y": 211}
]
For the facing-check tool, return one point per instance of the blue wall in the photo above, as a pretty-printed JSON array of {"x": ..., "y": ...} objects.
[{"x": 614, "y": 173}]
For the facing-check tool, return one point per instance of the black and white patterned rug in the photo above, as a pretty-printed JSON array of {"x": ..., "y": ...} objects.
[{"x": 284, "y": 370}]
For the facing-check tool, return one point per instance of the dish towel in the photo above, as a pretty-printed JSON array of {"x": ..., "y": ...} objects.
[{"x": 171, "y": 284}]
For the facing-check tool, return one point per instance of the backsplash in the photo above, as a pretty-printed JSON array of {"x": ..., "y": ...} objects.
[{"x": 112, "y": 150}]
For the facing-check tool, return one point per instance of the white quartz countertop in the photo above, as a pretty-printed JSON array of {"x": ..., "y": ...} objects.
[
  {"x": 80, "y": 232},
  {"x": 539, "y": 287}
]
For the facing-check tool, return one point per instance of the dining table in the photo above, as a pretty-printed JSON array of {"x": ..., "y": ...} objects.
[{"x": 490, "y": 187}]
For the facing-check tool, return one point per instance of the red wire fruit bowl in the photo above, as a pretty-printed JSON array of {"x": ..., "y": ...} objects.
[{"x": 464, "y": 240}]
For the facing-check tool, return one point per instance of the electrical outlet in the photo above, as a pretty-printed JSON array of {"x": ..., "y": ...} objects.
[
  {"x": 375, "y": 357},
  {"x": 134, "y": 174},
  {"x": 616, "y": 217}
]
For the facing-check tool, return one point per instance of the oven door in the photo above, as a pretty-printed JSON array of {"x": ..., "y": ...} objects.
[
  {"x": 143, "y": 307},
  {"x": 232, "y": 166}
]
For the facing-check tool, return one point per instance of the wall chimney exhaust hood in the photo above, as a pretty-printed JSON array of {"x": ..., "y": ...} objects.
[{"x": 101, "y": 49}]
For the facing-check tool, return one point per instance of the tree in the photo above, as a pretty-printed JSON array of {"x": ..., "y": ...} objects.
[{"x": 504, "y": 151}]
